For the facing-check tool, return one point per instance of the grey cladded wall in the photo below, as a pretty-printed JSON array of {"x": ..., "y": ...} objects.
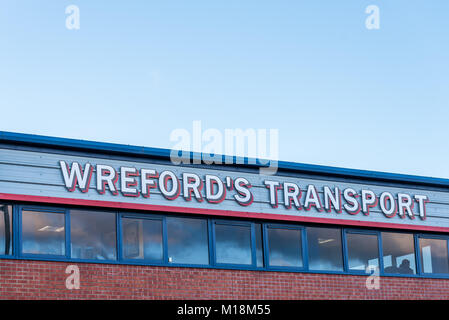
[{"x": 33, "y": 171}]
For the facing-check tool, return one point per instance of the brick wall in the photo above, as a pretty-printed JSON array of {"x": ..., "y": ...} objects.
[{"x": 43, "y": 280}]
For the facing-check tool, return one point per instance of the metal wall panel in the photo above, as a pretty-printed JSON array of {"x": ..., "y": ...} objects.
[{"x": 39, "y": 174}]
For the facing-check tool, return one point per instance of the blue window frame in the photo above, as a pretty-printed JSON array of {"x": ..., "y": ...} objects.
[
  {"x": 43, "y": 232},
  {"x": 50, "y": 221},
  {"x": 93, "y": 234},
  {"x": 187, "y": 241},
  {"x": 258, "y": 228},
  {"x": 428, "y": 254},
  {"x": 6, "y": 230},
  {"x": 141, "y": 238},
  {"x": 325, "y": 249},
  {"x": 284, "y": 247},
  {"x": 362, "y": 251},
  {"x": 433, "y": 254},
  {"x": 399, "y": 253},
  {"x": 234, "y": 243}
]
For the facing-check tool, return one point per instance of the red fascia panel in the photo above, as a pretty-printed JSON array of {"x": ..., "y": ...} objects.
[{"x": 214, "y": 212}]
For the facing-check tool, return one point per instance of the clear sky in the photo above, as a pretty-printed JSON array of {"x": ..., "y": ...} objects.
[{"x": 339, "y": 94}]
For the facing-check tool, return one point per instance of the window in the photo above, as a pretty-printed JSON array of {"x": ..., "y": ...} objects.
[
  {"x": 142, "y": 239},
  {"x": 93, "y": 235},
  {"x": 434, "y": 258},
  {"x": 187, "y": 241},
  {"x": 284, "y": 247},
  {"x": 363, "y": 251},
  {"x": 398, "y": 253},
  {"x": 233, "y": 244},
  {"x": 43, "y": 233},
  {"x": 5, "y": 229},
  {"x": 325, "y": 250},
  {"x": 63, "y": 234},
  {"x": 259, "y": 245}
]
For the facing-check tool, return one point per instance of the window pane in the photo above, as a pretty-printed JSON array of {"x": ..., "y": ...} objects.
[
  {"x": 43, "y": 233},
  {"x": 187, "y": 241},
  {"x": 259, "y": 245},
  {"x": 142, "y": 239},
  {"x": 363, "y": 251},
  {"x": 325, "y": 251},
  {"x": 233, "y": 244},
  {"x": 434, "y": 255},
  {"x": 93, "y": 235},
  {"x": 5, "y": 229},
  {"x": 398, "y": 250},
  {"x": 284, "y": 247}
]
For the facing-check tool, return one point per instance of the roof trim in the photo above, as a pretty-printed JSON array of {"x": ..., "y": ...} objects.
[{"x": 113, "y": 148}]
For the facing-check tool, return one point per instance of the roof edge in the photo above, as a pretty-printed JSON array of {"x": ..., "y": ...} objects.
[{"x": 106, "y": 147}]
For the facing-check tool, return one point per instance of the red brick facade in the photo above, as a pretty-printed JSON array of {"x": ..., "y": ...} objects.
[{"x": 46, "y": 280}]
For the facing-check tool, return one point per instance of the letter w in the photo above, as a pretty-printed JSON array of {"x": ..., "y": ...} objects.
[{"x": 75, "y": 175}]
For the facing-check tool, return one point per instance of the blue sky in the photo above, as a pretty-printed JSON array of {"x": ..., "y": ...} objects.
[{"x": 338, "y": 93}]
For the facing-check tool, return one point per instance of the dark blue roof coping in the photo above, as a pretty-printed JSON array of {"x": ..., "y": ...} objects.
[{"x": 103, "y": 147}]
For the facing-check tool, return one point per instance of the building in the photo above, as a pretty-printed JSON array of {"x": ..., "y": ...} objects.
[{"x": 134, "y": 225}]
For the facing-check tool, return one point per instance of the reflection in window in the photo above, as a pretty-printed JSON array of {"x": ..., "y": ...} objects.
[
  {"x": 434, "y": 257},
  {"x": 5, "y": 229},
  {"x": 233, "y": 244},
  {"x": 43, "y": 233},
  {"x": 259, "y": 245},
  {"x": 363, "y": 251},
  {"x": 398, "y": 250},
  {"x": 284, "y": 247},
  {"x": 187, "y": 241},
  {"x": 93, "y": 235},
  {"x": 142, "y": 239},
  {"x": 325, "y": 251}
]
